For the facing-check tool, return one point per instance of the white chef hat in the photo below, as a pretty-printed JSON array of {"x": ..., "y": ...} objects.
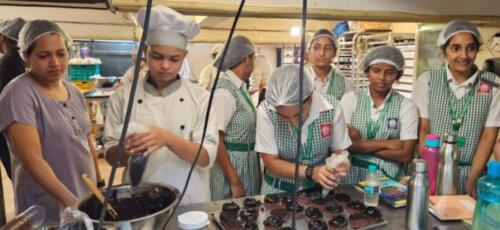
[
  {"x": 455, "y": 27},
  {"x": 11, "y": 28},
  {"x": 384, "y": 54},
  {"x": 283, "y": 87},
  {"x": 168, "y": 27}
]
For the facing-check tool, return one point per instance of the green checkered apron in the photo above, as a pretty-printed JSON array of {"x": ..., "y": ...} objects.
[
  {"x": 387, "y": 127},
  {"x": 441, "y": 104},
  {"x": 313, "y": 152},
  {"x": 336, "y": 84},
  {"x": 239, "y": 139}
]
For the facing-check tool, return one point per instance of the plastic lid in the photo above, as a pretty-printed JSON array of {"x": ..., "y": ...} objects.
[
  {"x": 432, "y": 137},
  {"x": 193, "y": 220},
  {"x": 432, "y": 143},
  {"x": 494, "y": 168},
  {"x": 372, "y": 168}
]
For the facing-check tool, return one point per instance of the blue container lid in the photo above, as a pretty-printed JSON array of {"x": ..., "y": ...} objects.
[
  {"x": 432, "y": 143},
  {"x": 372, "y": 168},
  {"x": 494, "y": 168}
]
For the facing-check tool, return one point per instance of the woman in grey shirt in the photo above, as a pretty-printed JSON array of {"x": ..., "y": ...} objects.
[{"x": 45, "y": 122}]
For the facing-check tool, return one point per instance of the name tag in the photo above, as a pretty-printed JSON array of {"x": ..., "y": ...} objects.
[
  {"x": 326, "y": 130},
  {"x": 484, "y": 88},
  {"x": 392, "y": 123}
]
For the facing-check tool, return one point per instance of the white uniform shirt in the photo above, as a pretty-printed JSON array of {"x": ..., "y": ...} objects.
[
  {"x": 421, "y": 95},
  {"x": 322, "y": 87},
  {"x": 266, "y": 141},
  {"x": 180, "y": 109},
  {"x": 224, "y": 102},
  {"x": 408, "y": 114}
]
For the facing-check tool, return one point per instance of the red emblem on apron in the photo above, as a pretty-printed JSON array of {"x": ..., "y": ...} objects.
[
  {"x": 326, "y": 130},
  {"x": 484, "y": 88}
]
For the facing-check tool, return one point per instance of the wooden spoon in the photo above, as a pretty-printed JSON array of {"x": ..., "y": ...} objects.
[{"x": 90, "y": 184}]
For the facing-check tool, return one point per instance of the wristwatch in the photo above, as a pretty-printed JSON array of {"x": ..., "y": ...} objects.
[{"x": 309, "y": 172}]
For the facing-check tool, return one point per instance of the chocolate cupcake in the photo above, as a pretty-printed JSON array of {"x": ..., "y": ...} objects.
[
  {"x": 250, "y": 226},
  {"x": 299, "y": 212},
  {"x": 273, "y": 223},
  {"x": 373, "y": 215},
  {"x": 358, "y": 221},
  {"x": 338, "y": 223},
  {"x": 248, "y": 216},
  {"x": 271, "y": 202},
  {"x": 330, "y": 196},
  {"x": 332, "y": 210},
  {"x": 313, "y": 213},
  {"x": 342, "y": 199},
  {"x": 231, "y": 208},
  {"x": 228, "y": 221},
  {"x": 318, "y": 201},
  {"x": 303, "y": 199},
  {"x": 251, "y": 203},
  {"x": 317, "y": 225},
  {"x": 286, "y": 200},
  {"x": 281, "y": 213},
  {"x": 355, "y": 206}
]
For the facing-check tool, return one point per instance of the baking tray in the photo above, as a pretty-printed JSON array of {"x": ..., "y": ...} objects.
[{"x": 300, "y": 223}]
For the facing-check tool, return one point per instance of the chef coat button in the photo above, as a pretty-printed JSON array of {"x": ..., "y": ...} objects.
[
  {"x": 65, "y": 105},
  {"x": 182, "y": 127},
  {"x": 182, "y": 99},
  {"x": 139, "y": 101}
]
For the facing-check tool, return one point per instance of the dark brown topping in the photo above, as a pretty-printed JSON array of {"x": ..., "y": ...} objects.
[
  {"x": 273, "y": 222},
  {"x": 334, "y": 208},
  {"x": 313, "y": 212},
  {"x": 287, "y": 199},
  {"x": 317, "y": 225},
  {"x": 338, "y": 222},
  {"x": 299, "y": 208},
  {"x": 342, "y": 197},
  {"x": 230, "y": 207},
  {"x": 228, "y": 217},
  {"x": 249, "y": 215},
  {"x": 250, "y": 226},
  {"x": 271, "y": 199},
  {"x": 372, "y": 212},
  {"x": 356, "y": 204},
  {"x": 251, "y": 203}
]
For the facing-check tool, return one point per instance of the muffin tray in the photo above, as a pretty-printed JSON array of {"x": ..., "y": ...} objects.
[{"x": 263, "y": 213}]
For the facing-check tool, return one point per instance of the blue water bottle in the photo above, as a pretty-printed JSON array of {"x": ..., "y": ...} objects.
[{"x": 487, "y": 211}]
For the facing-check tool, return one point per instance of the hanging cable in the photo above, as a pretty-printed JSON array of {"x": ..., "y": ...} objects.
[
  {"x": 301, "y": 111},
  {"x": 121, "y": 151},
  {"x": 207, "y": 115}
]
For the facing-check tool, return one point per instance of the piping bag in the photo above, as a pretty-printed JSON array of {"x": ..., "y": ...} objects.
[
  {"x": 334, "y": 161},
  {"x": 137, "y": 164}
]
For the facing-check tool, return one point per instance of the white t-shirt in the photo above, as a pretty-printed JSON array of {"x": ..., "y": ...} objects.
[
  {"x": 421, "y": 96},
  {"x": 224, "y": 102},
  {"x": 408, "y": 114},
  {"x": 322, "y": 87},
  {"x": 266, "y": 141}
]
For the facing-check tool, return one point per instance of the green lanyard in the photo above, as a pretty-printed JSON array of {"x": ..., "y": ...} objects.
[
  {"x": 456, "y": 117},
  {"x": 373, "y": 130},
  {"x": 306, "y": 153},
  {"x": 246, "y": 96}
]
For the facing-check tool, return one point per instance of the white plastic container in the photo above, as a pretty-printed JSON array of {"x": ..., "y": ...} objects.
[{"x": 195, "y": 220}]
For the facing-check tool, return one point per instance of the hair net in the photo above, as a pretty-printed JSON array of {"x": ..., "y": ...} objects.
[
  {"x": 239, "y": 48},
  {"x": 216, "y": 49},
  {"x": 283, "y": 87},
  {"x": 168, "y": 27},
  {"x": 384, "y": 54},
  {"x": 455, "y": 27},
  {"x": 323, "y": 33},
  {"x": 35, "y": 29},
  {"x": 11, "y": 28}
]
